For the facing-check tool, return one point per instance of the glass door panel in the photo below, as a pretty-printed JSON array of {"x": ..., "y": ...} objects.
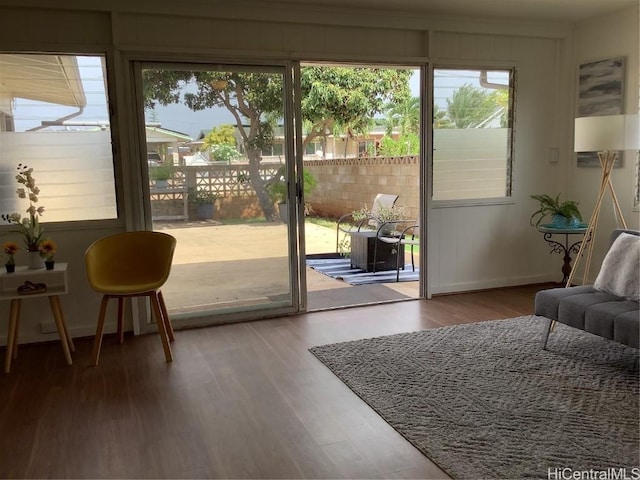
[{"x": 218, "y": 147}]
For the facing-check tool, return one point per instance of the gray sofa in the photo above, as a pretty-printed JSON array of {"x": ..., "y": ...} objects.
[{"x": 591, "y": 310}]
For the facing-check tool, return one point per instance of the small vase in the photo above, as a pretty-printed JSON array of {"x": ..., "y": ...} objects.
[
  {"x": 49, "y": 264},
  {"x": 11, "y": 267},
  {"x": 560, "y": 221},
  {"x": 35, "y": 260}
]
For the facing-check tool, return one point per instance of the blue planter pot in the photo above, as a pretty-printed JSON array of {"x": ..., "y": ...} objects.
[
  {"x": 560, "y": 221},
  {"x": 205, "y": 211}
]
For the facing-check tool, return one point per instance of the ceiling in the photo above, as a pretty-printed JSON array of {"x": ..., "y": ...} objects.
[{"x": 539, "y": 10}]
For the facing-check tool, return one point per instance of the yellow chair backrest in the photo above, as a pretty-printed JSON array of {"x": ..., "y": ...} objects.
[{"x": 130, "y": 262}]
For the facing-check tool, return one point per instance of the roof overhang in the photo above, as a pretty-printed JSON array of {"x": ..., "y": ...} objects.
[{"x": 45, "y": 78}]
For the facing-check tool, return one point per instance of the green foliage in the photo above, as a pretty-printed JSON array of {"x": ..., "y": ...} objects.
[
  {"x": 346, "y": 99},
  {"x": 550, "y": 206},
  {"x": 440, "y": 118},
  {"x": 161, "y": 172},
  {"x": 201, "y": 197},
  {"x": 220, "y": 135},
  {"x": 408, "y": 144},
  {"x": 224, "y": 153},
  {"x": 470, "y": 105},
  {"x": 380, "y": 215},
  {"x": 404, "y": 115},
  {"x": 278, "y": 189}
]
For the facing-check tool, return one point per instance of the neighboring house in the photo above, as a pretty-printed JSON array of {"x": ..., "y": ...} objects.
[{"x": 164, "y": 142}]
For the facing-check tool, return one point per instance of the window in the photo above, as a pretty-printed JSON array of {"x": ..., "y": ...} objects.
[
  {"x": 273, "y": 150},
  {"x": 472, "y": 133},
  {"x": 367, "y": 148},
  {"x": 55, "y": 119},
  {"x": 314, "y": 148}
]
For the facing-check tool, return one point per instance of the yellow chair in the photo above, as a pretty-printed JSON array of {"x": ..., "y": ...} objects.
[{"x": 131, "y": 264}]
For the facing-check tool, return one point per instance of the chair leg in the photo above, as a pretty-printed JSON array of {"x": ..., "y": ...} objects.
[
  {"x": 121, "y": 320},
  {"x": 546, "y": 337},
  {"x": 162, "y": 329},
  {"x": 165, "y": 316},
  {"x": 413, "y": 263},
  {"x": 97, "y": 343}
]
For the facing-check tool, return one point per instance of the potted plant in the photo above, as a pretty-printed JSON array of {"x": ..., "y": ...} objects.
[
  {"x": 564, "y": 214},
  {"x": 278, "y": 190},
  {"x": 383, "y": 217},
  {"x": 161, "y": 174},
  {"x": 10, "y": 249},
  {"x": 47, "y": 252},
  {"x": 204, "y": 201},
  {"x": 30, "y": 226}
]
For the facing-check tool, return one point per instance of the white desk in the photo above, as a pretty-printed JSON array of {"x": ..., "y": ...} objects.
[{"x": 56, "y": 281}]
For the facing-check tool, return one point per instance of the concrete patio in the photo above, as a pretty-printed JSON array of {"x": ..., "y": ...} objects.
[{"x": 219, "y": 265}]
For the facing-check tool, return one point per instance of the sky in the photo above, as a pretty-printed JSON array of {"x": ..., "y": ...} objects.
[{"x": 177, "y": 117}]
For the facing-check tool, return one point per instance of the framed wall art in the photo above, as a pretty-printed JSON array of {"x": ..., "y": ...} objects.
[{"x": 600, "y": 92}]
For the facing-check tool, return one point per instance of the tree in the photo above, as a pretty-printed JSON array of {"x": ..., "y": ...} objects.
[
  {"x": 220, "y": 135},
  {"x": 469, "y": 106},
  {"x": 440, "y": 118},
  {"x": 344, "y": 99},
  {"x": 331, "y": 96},
  {"x": 404, "y": 115},
  {"x": 224, "y": 153},
  {"x": 407, "y": 144}
]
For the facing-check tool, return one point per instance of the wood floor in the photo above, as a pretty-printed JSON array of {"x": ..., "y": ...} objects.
[{"x": 245, "y": 400}]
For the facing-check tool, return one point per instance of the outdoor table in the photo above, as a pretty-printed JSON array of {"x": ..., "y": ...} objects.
[{"x": 362, "y": 251}]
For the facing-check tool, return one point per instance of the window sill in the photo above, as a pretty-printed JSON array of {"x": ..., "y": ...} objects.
[{"x": 472, "y": 202}]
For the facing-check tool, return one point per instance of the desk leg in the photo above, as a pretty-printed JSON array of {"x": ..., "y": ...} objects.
[
  {"x": 12, "y": 334},
  {"x": 62, "y": 330},
  {"x": 55, "y": 301}
]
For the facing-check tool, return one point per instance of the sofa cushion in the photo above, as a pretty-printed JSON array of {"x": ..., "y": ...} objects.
[
  {"x": 620, "y": 271},
  {"x": 572, "y": 309},
  {"x": 547, "y": 301},
  {"x": 627, "y": 329},
  {"x": 602, "y": 318}
]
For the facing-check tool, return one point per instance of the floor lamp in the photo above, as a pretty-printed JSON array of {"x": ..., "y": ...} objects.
[{"x": 607, "y": 135}]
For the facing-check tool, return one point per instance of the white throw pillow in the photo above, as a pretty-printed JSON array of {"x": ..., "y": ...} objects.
[{"x": 620, "y": 271}]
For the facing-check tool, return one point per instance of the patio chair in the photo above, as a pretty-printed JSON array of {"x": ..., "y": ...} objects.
[
  {"x": 346, "y": 224},
  {"x": 131, "y": 264},
  {"x": 398, "y": 233}
]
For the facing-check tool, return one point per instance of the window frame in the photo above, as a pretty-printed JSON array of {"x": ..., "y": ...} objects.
[
  {"x": 110, "y": 100},
  {"x": 508, "y": 198}
]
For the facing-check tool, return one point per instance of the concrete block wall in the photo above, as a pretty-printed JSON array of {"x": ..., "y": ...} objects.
[{"x": 348, "y": 184}]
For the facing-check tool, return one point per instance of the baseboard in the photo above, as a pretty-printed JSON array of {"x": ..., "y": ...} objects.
[
  {"x": 52, "y": 336},
  {"x": 487, "y": 284}
]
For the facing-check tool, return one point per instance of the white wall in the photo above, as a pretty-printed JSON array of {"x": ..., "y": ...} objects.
[
  {"x": 611, "y": 36},
  {"x": 472, "y": 247},
  {"x": 475, "y": 247}
]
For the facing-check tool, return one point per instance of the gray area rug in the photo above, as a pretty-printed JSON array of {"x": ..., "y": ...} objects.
[{"x": 484, "y": 400}]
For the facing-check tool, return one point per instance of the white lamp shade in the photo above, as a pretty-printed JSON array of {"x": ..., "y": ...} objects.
[{"x": 607, "y": 132}]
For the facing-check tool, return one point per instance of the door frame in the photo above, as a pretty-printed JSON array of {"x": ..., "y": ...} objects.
[{"x": 140, "y": 216}]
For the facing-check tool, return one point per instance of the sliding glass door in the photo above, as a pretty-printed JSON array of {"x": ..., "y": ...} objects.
[{"x": 218, "y": 142}]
